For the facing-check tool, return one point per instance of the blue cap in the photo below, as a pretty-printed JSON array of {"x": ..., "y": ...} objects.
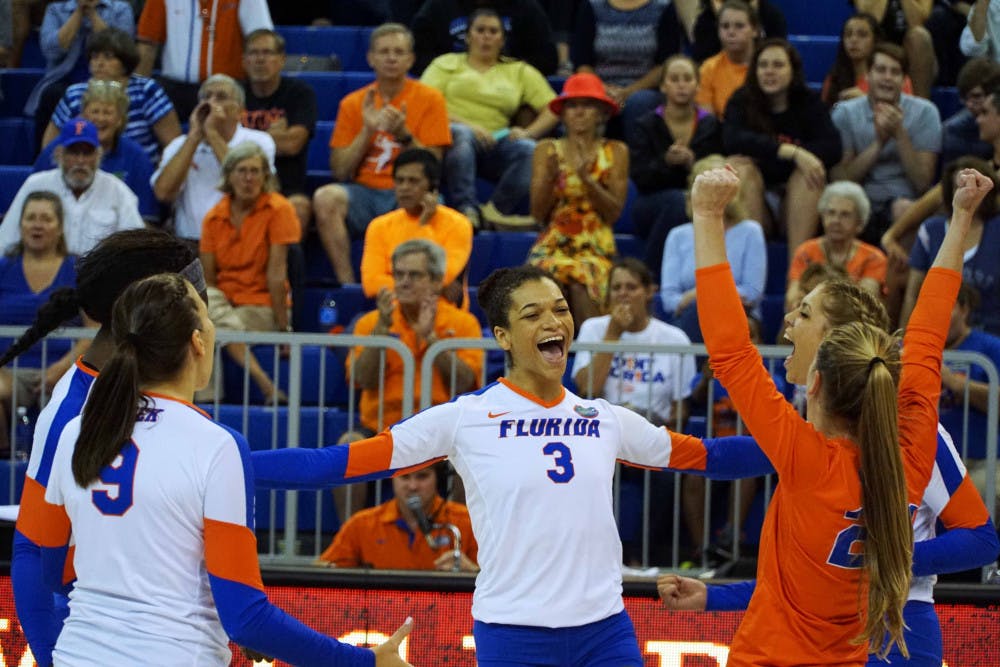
[{"x": 78, "y": 130}]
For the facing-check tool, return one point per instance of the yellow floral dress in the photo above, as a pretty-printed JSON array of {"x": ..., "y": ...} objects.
[{"x": 578, "y": 245}]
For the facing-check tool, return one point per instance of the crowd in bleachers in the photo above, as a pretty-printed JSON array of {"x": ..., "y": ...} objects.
[{"x": 298, "y": 145}]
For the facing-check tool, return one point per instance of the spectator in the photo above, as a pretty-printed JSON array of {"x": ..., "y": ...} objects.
[
  {"x": 198, "y": 40},
  {"x": 890, "y": 140},
  {"x": 188, "y": 175},
  {"x": 981, "y": 37},
  {"x": 483, "y": 93},
  {"x": 898, "y": 239},
  {"x": 415, "y": 313},
  {"x": 105, "y": 104},
  {"x": 960, "y": 132},
  {"x": 662, "y": 148},
  {"x": 783, "y": 126},
  {"x": 745, "y": 249},
  {"x": 95, "y": 203},
  {"x": 442, "y": 26},
  {"x": 654, "y": 385},
  {"x": 848, "y": 77},
  {"x": 844, "y": 209},
  {"x": 578, "y": 189},
  {"x": 902, "y": 23},
  {"x": 65, "y": 30},
  {"x": 373, "y": 125},
  {"x": 416, "y": 174},
  {"x": 562, "y": 18},
  {"x": 244, "y": 251},
  {"x": 981, "y": 260},
  {"x": 623, "y": 42},
  {"x": 151, "y": 120},
  {"x": 35, "y": 268},
  {"x": 961, "y": 383},
  {"x": 283, "y": 107},
  {"x": 724, "y": 72},
  {"x": 705, "y": 37},
  {"x": 391, "y": 536}
]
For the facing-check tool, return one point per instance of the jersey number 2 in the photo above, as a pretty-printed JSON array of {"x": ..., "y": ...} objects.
[
  {"x": 122, "y": 476},
  {"x": 841, "y": 555},
  {"x": 563, "y": 472}
]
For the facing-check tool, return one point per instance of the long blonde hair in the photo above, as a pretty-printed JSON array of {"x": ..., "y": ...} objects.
[{"x": 859, "y": 366}]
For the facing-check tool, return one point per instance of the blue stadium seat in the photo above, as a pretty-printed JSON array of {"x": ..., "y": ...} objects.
[
  {"x": 818, "y": 53},
  {"x": 32, "y": 54},
  {"x": 629, "y": 246},
  {"x": 331, "y": 87},
  {"x": 777, "y": 268},
  {"x": 772, "y": 312},
  {"x": 480, "y": 261},
  {"x": 624, "y": 224},
  {"x": 818, "y": 18},
  {"x": 946, "y": 100},
  {"x": 511, "y": 248},
  {"x": 314, "y": 359},
  {"x": 16, "y": 85},
  {"x": 17, "y": 146},
  {"x": 319, "y": 147},
  {"x": 11, "y": 179},
  {"x": 351, "y": 302},
  {"x": 348, "y": 42}
]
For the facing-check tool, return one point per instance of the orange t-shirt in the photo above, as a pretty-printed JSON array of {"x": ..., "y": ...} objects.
[
  {"x": 719, "y": 78},
  {"x": 450, "y": 322},
  {"x": 448, "y": 228},
  {"x": 426, "y": 119},
  {"x": 241, "y": 255},
  {"x": 805, "y": 607},
  {"x": 866, "y": 261},
  {"x": 378, "y": 537}
]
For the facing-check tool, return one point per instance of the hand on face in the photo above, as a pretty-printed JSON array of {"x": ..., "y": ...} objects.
[
  {"x": 385, "y": 303},
  {"x": 713, "y": 190},
  {"x": 428, "y": 206}
]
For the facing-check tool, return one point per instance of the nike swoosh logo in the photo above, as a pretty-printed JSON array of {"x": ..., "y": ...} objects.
[{"x": 494, "y": 415}]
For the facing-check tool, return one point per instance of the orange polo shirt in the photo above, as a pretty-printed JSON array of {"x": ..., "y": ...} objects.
[
  {"x": 450, "y": 322},
  {"x": 379, "y": 537},
  {"x": 719, "y": 78},
  {"x": 241, "y": 255}
]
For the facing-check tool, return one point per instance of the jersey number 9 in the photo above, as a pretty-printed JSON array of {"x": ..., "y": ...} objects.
[{"x": 122, "y": 476}]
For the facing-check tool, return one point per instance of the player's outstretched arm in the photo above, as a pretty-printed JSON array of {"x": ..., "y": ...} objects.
[
  {"x": 682, "y": 593},
  {"x": 726, "y": 458},
  {"x": 956, "y": 550},
  {"x": 387, "y": 653}
]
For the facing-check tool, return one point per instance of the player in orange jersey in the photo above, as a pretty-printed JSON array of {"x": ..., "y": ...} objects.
[{"x": 807, "y": 611}]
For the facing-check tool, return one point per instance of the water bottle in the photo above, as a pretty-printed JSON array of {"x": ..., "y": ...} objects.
[
  {"x": 23, "y": 434},
  {"x": 328, "y": 312}
]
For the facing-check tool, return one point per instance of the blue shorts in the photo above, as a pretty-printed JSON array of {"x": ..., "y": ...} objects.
[
  {"x": 607, "y": 643},
  {"x": 923, "y": 638},
  {"x": 364, "y": 204}
]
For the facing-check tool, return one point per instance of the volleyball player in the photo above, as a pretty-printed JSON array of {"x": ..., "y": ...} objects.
[
  {"x": 102, "y": 275},
  {"x": 160, "y": 504},
  {"x": 844, "y": 459}
]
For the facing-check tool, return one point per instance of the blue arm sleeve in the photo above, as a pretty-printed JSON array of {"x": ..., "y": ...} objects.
[
  {"x": 53, "y": 565},
  {"x": 33, "y": 600},
  {"x": 251, "y": 621},
  {"x": 956, "y": 550},
  {"x": 730, "y": 597},
  {"x": 732, "y": 457},
  {"x": 306, "y": 469}
]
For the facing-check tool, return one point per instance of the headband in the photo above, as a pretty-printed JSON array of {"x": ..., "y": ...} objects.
[{"x": 195, "y": 275}]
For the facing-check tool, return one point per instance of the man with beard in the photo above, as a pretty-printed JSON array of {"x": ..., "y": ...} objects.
[
  {"x": 96, "y": 203},
  {"x": 891, "y": 140}
]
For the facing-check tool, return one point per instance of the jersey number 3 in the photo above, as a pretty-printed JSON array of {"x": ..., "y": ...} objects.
[
  {"x": 122, "y": 476},
  {"x": 563, "y": 472}
]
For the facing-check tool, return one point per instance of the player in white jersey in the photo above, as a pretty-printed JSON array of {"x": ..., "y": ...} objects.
[
  {"x": 164, "y": 559},
  {"x": 102, "y": 275},
  {"x": 537, "y": 462}
]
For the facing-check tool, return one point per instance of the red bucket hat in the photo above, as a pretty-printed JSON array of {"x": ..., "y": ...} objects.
[{"x": 583, "y": 86}]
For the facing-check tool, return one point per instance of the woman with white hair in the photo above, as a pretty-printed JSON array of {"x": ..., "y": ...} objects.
[
  {"x": 244, "y": 251},
  {"x": 843, "y": 210}
]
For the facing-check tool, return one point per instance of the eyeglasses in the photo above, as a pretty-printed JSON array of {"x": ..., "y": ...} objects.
[{"x": 400, "y": 276}]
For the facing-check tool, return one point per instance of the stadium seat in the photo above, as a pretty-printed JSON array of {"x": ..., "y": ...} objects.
[
  {"x": 17, "y": 141},
  {"x": 11, "y": 179},
  {"x": 16, "y": 85},
  {"x": 777, "y": 268},
  {"x": 772, "y": 312},
  {"x": 629, "y": 246},
  {"x": 349, "y": 43},
  {"x": 818, "y": 18},
  {"x": 315, "y": 361},
  {"x": 818, "y": 53},
  {"x": 331, "y": 87},
  {"x": 319, "y": 147},
  {"x": 480, "y": 261}
]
